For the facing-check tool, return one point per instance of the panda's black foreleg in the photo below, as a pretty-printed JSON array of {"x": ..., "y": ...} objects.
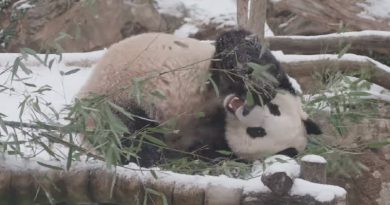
[
  {"x": 312, "y": 127},
  {"x": 148, "y": 154}
]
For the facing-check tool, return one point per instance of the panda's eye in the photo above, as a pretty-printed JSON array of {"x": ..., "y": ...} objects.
[{"x": 255, "y": 132}]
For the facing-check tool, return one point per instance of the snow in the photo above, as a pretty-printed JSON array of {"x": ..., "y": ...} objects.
[
  {"x": 203, "y": 11},
  {"x": 314, "y": 159},
  {"x": 186, "y": 30},
  {"x": 373, "y": 33},
  {"x": 282, "y": 163},
  {"x": 373, "y": 9},
  {"x": 321, "y": 192},
  {"x": 197, "y": 13},
  {"x": 346, "y": 57}
]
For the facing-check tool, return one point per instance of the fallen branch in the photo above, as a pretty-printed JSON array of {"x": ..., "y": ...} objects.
[
  {"x": 23, "y": 181},
  {"x": 299, "y": 66},
  {"x": 332, "y": 43}
]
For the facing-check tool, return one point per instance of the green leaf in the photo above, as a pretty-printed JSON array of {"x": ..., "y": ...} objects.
[
  {"x": 71, "y": 71},
  {"x": 24, "y": 68},
  {"x": 344, "y": 50},
  {"x": 215, "y": 87},
  {"x": 377, "y": 145},
  {"x": 30, "y": 85},
  {"x": 154, "y": 140},
  {"x": 224, "y": 152},
  {"x": 50, "y": 166},
  {"x": 154, "y": 174},
  {"x": 32, "y": 53},
  {"x": 250, "y": 99},
  {"x": 200, "y": 115},
  {"x": 3, "y": 126},
  {"x": 159, "y": 94}
]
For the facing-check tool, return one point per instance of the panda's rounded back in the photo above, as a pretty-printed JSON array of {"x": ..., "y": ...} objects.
[{"x": 175, "y": 67}]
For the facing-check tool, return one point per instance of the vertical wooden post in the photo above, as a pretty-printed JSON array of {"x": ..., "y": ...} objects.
[
  {"x": 257, "y": 18},
  {"x": 253, "y": 20},
  {"x": 313, "y": 168},
  {"x": 242, "y": 13}
]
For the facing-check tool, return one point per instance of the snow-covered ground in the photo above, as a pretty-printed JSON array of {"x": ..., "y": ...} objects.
[{"x": 373, "y": 9}]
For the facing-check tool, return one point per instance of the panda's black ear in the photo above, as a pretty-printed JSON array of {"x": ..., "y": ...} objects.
[{"x": 312, "y": 127}]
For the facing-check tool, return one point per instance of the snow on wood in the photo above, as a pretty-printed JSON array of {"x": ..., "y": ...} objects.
[
  {"x": 307, "y": 65},
  {"x": 313, "y": 168},
  {"x": 332, "y": 43},
  {"x": 321, "y": 192},
  {"x": 89, "y": 182},
  {"x": 313, "y": 159}
]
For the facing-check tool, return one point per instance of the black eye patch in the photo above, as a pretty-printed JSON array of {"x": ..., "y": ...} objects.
[
  {"x": 273, "y": 109},
  {"x": 256, "y": 132}
]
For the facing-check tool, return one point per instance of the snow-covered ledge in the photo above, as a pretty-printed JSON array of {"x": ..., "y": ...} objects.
[{"x": 26, "y": 181}]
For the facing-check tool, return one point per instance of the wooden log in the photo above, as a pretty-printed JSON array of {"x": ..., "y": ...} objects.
[
  {"x": 77, "y": 186},
  {"x": 332, "y": 43},
  {"x": 257, "y": 18},
  {"x": 188, "y": 195},
  {"x": 242, "y": 13},
  {"x": 129, "y": 190},
  {"x": 308, "y": 65},
  {"x": 101, "y": 185},
  {"x": 279, "y": 182},
  {"x": 313, "y": 168},
  {"x": 220, "y": 195},
  {"x": 23, "y": 188},
  {"x": 159, "y": 191},
  {"x": 5, "y": 185}
]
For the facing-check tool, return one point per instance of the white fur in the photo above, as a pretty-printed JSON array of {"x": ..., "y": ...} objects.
[
  {"x": 175, "y": 66},
  {"x": 284, "y": 131}
]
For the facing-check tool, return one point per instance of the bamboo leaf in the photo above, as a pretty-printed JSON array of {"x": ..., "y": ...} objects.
[{"x": 50, "y": 166}]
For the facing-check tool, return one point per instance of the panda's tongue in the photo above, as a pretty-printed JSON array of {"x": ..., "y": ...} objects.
[{"x": 235, "y": 103}]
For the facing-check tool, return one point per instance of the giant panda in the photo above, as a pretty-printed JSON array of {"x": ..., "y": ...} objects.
[
  {"x": 275, "y": 122},
  {"x": 280, "y": 127},
  {"x": 189, "y": 74},
  {"x": 178, "y": 69}
]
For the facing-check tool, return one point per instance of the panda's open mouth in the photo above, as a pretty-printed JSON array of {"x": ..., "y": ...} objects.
[{"x": 233, "y": 103}]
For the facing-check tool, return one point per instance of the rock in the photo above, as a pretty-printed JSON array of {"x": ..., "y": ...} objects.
[
  {"x": 72, "y": 25},
  {"x": 307, "y": 17}
]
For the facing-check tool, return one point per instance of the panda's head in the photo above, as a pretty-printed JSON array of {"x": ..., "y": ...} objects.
[
  {"x": 246, "y": 63},
  {"x": 276, "y": 128}
]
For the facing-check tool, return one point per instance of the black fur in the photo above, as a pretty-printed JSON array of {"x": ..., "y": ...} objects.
[
  {"x": 291, "y": 152},
  {"x": 273, "y": 109},
  {"x": 234, "y": 50},
  {"x": 255, "y": 132},
  {"x": 312, "y": 127}
]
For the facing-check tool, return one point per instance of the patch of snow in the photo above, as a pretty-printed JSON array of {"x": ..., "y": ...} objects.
[
  {"x": 375, "y": 9},
  {"x": 314, "y": 159},
  {"x": 321, "y": 192},
  {"x": 282, "y": 163},
  {"x": 202, "y": 10},
  {"x": 186, "y": 30},
  {"x": 23, "y": 4}
]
